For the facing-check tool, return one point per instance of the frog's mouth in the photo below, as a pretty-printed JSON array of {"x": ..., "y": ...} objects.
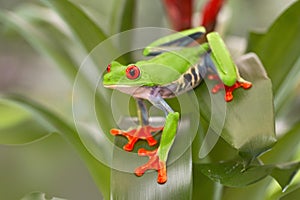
[{"x": 135, "y": 91}]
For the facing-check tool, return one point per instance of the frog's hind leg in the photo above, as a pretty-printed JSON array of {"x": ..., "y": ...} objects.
[
  {"x": 213, "y": 75},
  {"x": 175, "y": 41},
  {"x": 143, "y": 131}
]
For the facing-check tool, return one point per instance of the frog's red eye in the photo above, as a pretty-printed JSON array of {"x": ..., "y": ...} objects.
[
  {"x": 108, "y": 68},
  {"x": 132, "y": 72}
]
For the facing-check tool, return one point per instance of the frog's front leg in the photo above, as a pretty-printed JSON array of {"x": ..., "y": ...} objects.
[
  {"x": 143, "y": 131},
  {"x": 158, "y": 157}
]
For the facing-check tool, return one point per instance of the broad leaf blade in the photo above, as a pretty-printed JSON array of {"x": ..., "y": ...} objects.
[
  {"x": 251, "y": 192},
  {"x": 23, "y": 132},
  {"x": 284, "y": 174},
  {"x": 84, "y": 28},
  {"x": 99, "y": 171},
  {"x": 17, "y": 125},
  {"x": 284, "y": 148},
  {"x": 279, "y": 47},
  {"x": 291, "y": 195},
  {"x": 255, "y": 107},
  {"x": 278, "y": 54},
  {"x": 234, "y": 174},
  {"x": 39, "y": 196},
  {"x": 244, "y": 115},
  {"x": 122, "y": 17},
  {"x": 179, "y": 185},
  {"x": 204, "y": 187},
  {"x": 49, "y": 46}
]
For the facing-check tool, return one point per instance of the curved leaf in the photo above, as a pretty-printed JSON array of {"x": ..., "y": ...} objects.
[
  {"x": 39, "y": 196},
  {"x": 236, "y": 174},
  {"x": 278, "y": 48},
  {"x": 248, "y": 110},
  {"x": 204, "y": 187},
  {"x": 122, "y": 17},
  {"x": 17, "y": 126},
  {"x": 285, "y": 173},
  {"x": 99, "y": 171},
  {"x": 284, "y": 148},
  {"x": 291, "y": 195},
  {"x": 179, "y": 184},
  {"x": 84, "y": 28},
  {"x": 23, "y": 132},
  {"x": 38, "y": 38}
]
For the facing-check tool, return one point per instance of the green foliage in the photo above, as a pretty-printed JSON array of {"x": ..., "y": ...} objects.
[
  {"x": 19, "y": 126},
  {"x": 278, "y": 49},
  {"x": 281, "y": 43},
  {"x": 247, "y": 123},
  {"x": 39, "y": 196},
  {"x": 240, "y": 128}
]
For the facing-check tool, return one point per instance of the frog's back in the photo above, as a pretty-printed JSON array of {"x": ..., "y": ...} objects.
[{"x": 169, "y": 66}]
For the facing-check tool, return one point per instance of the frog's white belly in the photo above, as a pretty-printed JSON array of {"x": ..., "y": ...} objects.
[
  {"x": 145, "y": 92},
  {"x": 142, "y": 92}
]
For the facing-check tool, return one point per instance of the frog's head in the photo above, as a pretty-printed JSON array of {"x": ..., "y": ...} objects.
[{"x": 118, "y": 75}]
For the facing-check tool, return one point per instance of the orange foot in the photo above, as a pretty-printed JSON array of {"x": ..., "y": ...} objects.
[
  {"x": 143, "y": 132},
  {"x": 153, "y": 163},
  {"x": 229, "y": 89}
]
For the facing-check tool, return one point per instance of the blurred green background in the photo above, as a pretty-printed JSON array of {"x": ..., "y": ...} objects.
[{"x": 51, "y": 165}]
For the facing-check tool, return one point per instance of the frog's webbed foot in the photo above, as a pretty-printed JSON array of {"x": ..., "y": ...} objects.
[
  {"x": 154, "y": 163},
  {"x": 133, "y": 135},
  {"x": 229, "y": 89}
]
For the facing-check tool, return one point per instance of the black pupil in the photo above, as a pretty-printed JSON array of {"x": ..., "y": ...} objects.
[{"x": 132, "y": 72}]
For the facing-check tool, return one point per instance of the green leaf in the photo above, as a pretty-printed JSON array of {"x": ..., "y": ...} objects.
[
  {"x": 17, "y": 125},
  {"x": 41, "y": 16},
  {"x": 11, "y": 114},
  {"x": 99, "y": 171},
  {"x": 86, "y": 30},
  {"x": 284, "y": 148},
  {"x": 251, "y": 192},
  {"x": 179, "y": 185},
  {"x": 291, "y": 195},
  {"x": 285, "y": 173},
  {"x": 23, "y": 132},
  {"x": 203, "y": 187},
  {"x": 39, "y": 196},
  {"x": 279, "y": 47},
  {"x": 234, "y": 174},
  {"x": 128, "y": 15},
  {"x": 286, "y": 96},
  {"x": 241, "y": 119},
  {"x": 255, "y": 107},
  {"x": 122, "y": 17},
  {"x": 83, "y": 27},
  {"x": 43, "y": 41}
]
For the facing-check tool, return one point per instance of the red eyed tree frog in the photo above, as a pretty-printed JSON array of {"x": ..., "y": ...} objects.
[{"x": 177, "y": 67}]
